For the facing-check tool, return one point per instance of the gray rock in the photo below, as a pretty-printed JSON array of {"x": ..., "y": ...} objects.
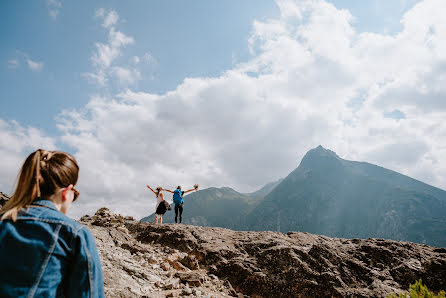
[
  {"x": 225, "y": 263},
  {"x": 187, "y": 291},
  {"x": 267, "y": 264}
]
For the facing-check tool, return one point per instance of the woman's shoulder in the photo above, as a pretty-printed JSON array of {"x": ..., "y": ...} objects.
[
  {"x": 72, "y": 226},
  {"x": 48, "y": 214}
]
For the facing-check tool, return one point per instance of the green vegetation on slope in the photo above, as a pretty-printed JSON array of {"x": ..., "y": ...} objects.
[{"x": 418, "y": 290}]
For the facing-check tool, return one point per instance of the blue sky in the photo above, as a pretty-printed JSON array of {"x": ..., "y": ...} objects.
[
  {"x": 220, "y": 93},
  {"x": 187, "y": 39}
]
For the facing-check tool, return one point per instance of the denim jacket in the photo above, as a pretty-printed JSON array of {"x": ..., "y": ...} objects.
[{"x": 47, "y": 254}]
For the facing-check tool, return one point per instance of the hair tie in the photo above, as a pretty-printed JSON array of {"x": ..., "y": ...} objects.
[
  {"x": 38, "y": 175},
  {"x": 47, "y": 156}
]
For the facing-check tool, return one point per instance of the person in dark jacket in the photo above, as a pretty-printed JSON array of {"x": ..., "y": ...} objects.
[{"x": 44, "y": 253}]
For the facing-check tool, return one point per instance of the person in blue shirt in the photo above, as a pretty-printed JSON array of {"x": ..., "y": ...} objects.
[
  {"x": 178, "y": 200},
  {"x": 44, "y": 253}
]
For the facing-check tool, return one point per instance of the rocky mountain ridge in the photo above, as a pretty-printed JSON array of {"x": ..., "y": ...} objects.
[
  {"x": 335, "y": 197},
  {"x": 330, "y": 196},
  {"x": 169, "y": 260}
]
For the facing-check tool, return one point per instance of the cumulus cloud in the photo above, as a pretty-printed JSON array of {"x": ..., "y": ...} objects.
[
  {"x": 148, "y": 58},
  {"x": 99, "y": 77},
  {"x": 106, "y": 54},
  {"x": 17, "y": 143},
  {"x": 312, "y": 79},
  {"x": 111, "y": 19},
  {"x": 13, "y": 63},
  {"x": 53, "y": 7},
  {"x": 126, "y": 76},
  {"x": 34, "y": 65}
]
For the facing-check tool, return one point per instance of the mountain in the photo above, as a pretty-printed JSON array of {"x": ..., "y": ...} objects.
[
  {"x": 172, "y": 260},
  {"x": 330, "y": 196},
  {"x": 261, "y": 193},
  {"x": 217, "y": 207},
  {"x": 339, "y": 198}
]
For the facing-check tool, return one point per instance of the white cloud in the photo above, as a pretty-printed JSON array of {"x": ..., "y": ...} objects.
[
  {"x": 22, "y": 56},
  {"x": 126, "y": 76},
  {"x": 98, "y": 78},
  {"x": 312, "y": 80},
  {"x": 99, "y": 13},
  {"x": 106, "y": 55},
  {"x": 53, "y": 7},
  {"x": 13, "y": 63},
  {"x": 148, "y": 58},
  {"x": 34, "y": 65},
  {"x": 17, "y": 143},
  {"x": 111, "y": 19}
]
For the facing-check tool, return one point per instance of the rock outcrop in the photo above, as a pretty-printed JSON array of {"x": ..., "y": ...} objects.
[
  {"x": 169, "y": 260},
  {"x": 133, "y": 268},
  {"x": 3, "y": 199}
]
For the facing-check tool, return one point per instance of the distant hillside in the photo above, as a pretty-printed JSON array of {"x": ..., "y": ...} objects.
[
  {"x": 261, "y": 193},
  {"x": 340, "y": 198}
]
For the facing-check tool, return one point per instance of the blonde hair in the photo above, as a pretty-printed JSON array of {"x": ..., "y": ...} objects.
[{"x": 41, "y": 175}]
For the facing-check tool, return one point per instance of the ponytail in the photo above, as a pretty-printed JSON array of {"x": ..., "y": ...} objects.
[{"x": 41, "y": 175}]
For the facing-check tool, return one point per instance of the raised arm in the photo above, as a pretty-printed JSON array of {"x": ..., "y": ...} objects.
[
  {"x": 151, "y": 189},
  {"x": 168, "y": 190},
  {"x": 195, "y": 188}
]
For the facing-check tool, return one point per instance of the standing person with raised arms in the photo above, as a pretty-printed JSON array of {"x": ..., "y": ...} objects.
[
  {"x": 161, "y": 205},
  {"x": 44, "y": 253},
  {"x": 178, "y": 199}
]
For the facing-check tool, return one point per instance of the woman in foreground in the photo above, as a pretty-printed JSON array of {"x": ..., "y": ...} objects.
[{"x": 44, "y": 253}]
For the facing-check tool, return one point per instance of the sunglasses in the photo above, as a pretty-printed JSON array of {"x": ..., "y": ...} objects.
[{"x": 76, "y": 194}]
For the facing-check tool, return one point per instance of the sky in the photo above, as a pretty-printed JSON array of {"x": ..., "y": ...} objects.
[{"x": 219, "y": 93}]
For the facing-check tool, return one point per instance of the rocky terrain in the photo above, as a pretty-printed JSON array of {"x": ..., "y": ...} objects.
[
  {"x": 134, "y": 268},
  {"x": 168, "y": 260},
  {"x": 3, "y": 199}
]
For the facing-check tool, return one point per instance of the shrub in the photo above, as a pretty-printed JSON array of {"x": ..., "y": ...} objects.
[{"x": 418, "y": 290}]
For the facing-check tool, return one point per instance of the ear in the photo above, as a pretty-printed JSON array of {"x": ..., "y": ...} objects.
[{"x": 64, "y": 194}]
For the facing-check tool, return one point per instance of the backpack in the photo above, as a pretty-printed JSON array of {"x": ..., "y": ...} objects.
[{"x": 177, "y": 199}]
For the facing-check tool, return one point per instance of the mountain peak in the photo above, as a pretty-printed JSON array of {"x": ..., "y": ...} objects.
[
  {"x": 318, "y": 157},
  {"x": 323, "y": 151}
]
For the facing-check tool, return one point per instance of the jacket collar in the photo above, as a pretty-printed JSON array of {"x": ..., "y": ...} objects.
[{"x": 44, "y": 203}]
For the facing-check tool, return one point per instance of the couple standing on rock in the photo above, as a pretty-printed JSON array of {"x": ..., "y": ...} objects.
[{"x": 162, "y": 206}]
